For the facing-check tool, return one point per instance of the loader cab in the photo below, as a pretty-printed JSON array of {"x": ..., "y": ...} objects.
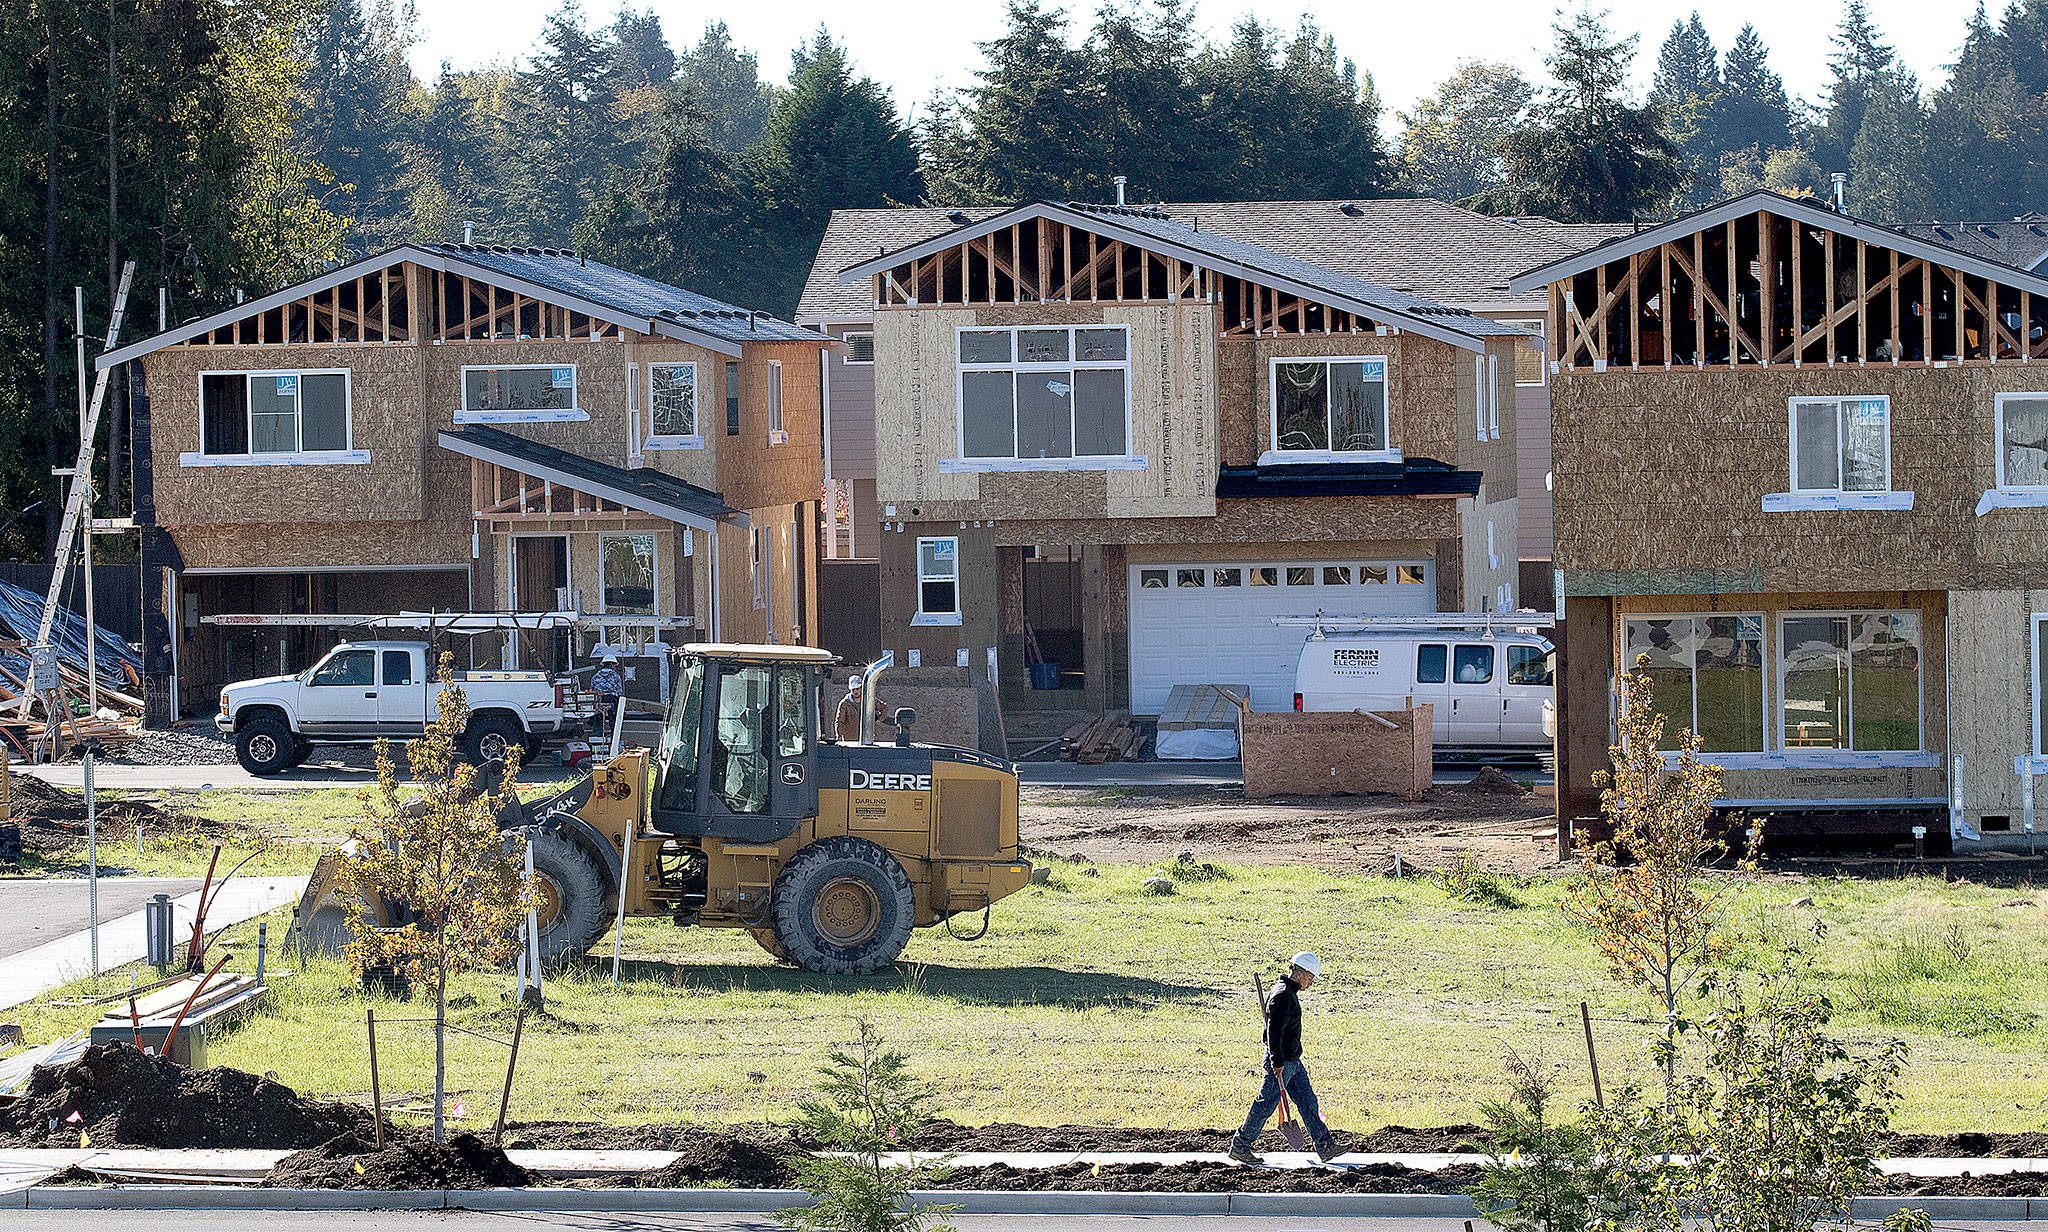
[{"x": 739, "y": 749}]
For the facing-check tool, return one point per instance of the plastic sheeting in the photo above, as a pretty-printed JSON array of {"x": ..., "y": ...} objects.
[
  {"x": 21, "y": 616},
  {"x": 1201, "y": 744}
]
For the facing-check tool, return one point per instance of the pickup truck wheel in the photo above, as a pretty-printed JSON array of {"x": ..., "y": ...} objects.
[
  {"x": 264, "y": 746},
  {"x": 302, "y": 748},
  {"x": 843, "y": 906},
  {"x": 494, "y": 739},
  {"x": 572, "y": 893}
]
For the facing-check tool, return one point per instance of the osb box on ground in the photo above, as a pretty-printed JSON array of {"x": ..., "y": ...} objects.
[{"x": 1351, "y": 751}]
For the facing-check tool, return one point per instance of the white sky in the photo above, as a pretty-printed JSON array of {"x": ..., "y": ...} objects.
[{"x": 1407, "y": 45}]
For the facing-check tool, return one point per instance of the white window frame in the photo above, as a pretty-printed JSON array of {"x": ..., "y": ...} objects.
[
  {"x": 760, "y": 602},
  {"x": 848, "y": 358},
  {"x": 654, "y": 557},
  {"x": 1998, "y": 442},
  {"x": 674, "y": 440},
  {"x": 1772, "y": 733},
  {"x": 350, "y": 456},
  {"x": 1536, "y": 326},
  {"x": 1273, "y": 455},
  {"x": 924, "y": 617},
  {"x": 1125, "y": 461},
  {"x": 2037, "y": 628},
  {"x": 574, "y": 412},
  {"x": 777, "y": 435},
  {"x": 1792, "y": 406},
  {"x": 1776, "y": 651}
]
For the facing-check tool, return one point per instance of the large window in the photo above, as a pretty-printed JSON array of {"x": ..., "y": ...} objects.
[
  {"x": 1328, "y": 407},
  {"x": 2023, "y": 441},
  {"x": 627, "y": 562},
  {"x": 1841, "y": 444},
  {"x": 1850, "y": 680},
  {"x": 671, "y": 405},
  {"x": 1706, "y": 675},
  {"x": 1058, "y": 392},
  {"x": 938, "y": 580},
  {"x": 246, "y": 414},
  {"x": 519, "y": 393}
]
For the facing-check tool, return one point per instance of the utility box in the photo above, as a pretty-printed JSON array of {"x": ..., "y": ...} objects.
[{"x": 156, "y": 930}]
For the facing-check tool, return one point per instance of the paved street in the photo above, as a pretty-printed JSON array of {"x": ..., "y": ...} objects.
[
  {"x": 35, "y": 910},
  {"x": 527, "y": 1221}
]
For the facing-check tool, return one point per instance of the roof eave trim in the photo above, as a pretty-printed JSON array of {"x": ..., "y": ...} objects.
[
  {"x": 455, "y": 443},
  {"x": 1106, "y": 224},
  {"x": 683, "y": 333},
  {"x": 1806, "y": 211}
]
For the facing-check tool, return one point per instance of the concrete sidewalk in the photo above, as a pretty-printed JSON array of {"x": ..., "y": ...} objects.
[
  {"x": 38, "y": 910},
  {"x": 33, "y": 972}
]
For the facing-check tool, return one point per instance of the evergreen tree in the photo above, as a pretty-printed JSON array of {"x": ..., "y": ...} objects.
[
  {"x": 1021, "y": 131},
  {"x": 1860, "y": 59},
  {"x": 726, "y": 84},
  {"x": 1291, "y": 119},
  {"x": 570, "y": 142},
  {"x": 1592, "y": 155},
  {"x": 639, "y": 56},
  {"x": 1687, "y": 93},
  {"x": 1888, "y": 164},
  {"x": 356, "y": 113},
  {"x": 1141, "y": 81},
  {"x": 1450, "y": 144},
  {"x": 1754, "y": 109}
]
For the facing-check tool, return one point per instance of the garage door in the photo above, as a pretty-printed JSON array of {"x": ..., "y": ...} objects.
[{"x": 1200, "y": 623}]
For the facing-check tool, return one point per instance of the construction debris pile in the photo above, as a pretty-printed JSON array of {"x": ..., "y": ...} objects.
[
  {"x": 409, "y": 1159},
  {"x": 116, "y": 1095},
  {"x": 1113, "y": 737},
  {"x": 117, "y": 666}
]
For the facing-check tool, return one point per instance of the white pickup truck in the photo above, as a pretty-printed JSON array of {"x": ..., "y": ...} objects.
[{"x": 364, "y": 691}]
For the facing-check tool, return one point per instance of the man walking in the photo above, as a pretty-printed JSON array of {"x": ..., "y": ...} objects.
[{"x": 1284, "y": 1070}]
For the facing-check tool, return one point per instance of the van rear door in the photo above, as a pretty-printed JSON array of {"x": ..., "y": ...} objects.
[
  {"x": 1526, "y": 695},
  {"x": 1475, "y": 694}
]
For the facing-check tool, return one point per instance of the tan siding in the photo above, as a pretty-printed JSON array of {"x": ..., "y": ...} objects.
[{"x": 853, "y": 414}]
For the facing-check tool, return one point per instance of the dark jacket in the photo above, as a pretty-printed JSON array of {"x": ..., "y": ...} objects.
[{"x": 1283, "y": 1023}]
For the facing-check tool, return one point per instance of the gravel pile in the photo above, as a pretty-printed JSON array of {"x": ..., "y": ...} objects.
[{"x": 194, "y": 746}]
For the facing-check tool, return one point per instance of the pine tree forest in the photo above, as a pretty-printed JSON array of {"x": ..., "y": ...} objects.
[{"x": 231, "y": 147}]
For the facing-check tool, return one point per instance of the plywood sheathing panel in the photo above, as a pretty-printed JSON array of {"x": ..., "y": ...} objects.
[
  {"x": 1666, "y": 472},
  {"x": 1991, "y": 698},
  {"x": 1322, "y": 754}
]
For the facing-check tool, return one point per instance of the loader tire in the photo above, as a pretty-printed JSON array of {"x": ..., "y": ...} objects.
[
  {"x": 843, "y": 906},
  {"x": 765, "y": 938},
  {"x": 572, "y": 908},
  {"x": 264, "y": 746}
]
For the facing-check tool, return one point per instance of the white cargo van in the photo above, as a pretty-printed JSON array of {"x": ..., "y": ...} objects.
[{"x": 1491, "y": 688}]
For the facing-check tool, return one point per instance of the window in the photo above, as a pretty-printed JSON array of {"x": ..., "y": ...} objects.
[
  {"x": 519, "y": 393},
  {"x": 1229, "y": 577},
  {"x": 1060, "y": 392},
  {"x": 1473, "y": 664},
  {"x": 1152, "y": 579},
  {"x": 1336, "y": 575},
  {"x": 1850, "y": 680},
  {"x": 671, "y": 405},
  {"x": 627, "y": 563},
  {"x": 2041, "y": 684},
  {"x": 1265, "y": 575},
  {"x": 792, "y": 738},
  {"x": 1301, "y": 575},
  {"x": 2023, "y": 440},
  {"x": 397, "y": 667},
  {"x": 1707, "y": 676},
  {"x": 1493, "y": 397},
  {"x": 1323, "y": 407},
  {"x": 760, "y": 547},
  {"x": 860, "y": 348},
  {"x": 732, "y": 399},
  {"x": 1431, "y": 664},
  {"x": 1372, "y": 575},
  {"x": 1189, "y": 578},
  {"x": 739, "y": 756},
  {"x": 1530, "y": 368},
  {"x": 1410, "y": 575},
  {"x": 776, "y": 435},
  {"x": 350, "y": 669},
  {"x": 938, "y": 577},
  {"x": 274, "y": 414},
  {"x": 1841, "y": 444},
  {"x": 1532, "y": 665}
]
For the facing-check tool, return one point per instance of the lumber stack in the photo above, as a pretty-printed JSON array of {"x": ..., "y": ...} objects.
[
  {"x": 25, "y": 730},
  {"x": 1112, "y": 737}
]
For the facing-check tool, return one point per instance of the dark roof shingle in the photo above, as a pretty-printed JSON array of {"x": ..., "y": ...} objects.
[{"x": 645, "y": 489}]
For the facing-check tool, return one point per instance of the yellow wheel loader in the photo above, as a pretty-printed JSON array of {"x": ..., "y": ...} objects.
[{"x": 745, "y": 816}]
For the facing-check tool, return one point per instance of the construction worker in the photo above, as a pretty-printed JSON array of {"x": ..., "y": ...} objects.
[
  {"x": 846, "y": 721},
  {"x": 609, "y": 687},
  {"x": 1284, "y": 1069}
]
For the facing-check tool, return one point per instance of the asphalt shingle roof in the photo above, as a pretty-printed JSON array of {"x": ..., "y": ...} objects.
[
  {"x": 2023, "y": 244},
  {"x": 628, "y": 292},
  {"x": 1425, "y": 247}
]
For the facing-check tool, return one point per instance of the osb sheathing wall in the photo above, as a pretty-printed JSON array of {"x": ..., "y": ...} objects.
[
  {"x": 1660, "y": 479},
  {"x": 1322, "y": 754},
  {"x": 739, "y": 619},
  {"x": 1743, "y": 783},
  {"x": 1173, "y": 417},
  {"x": 1991, "y": 716},
  {"x": 753, "y": 474}
]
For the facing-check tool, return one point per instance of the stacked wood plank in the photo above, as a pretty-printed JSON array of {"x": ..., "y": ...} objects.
[
  {"x": 118, "y": 721},
  {"x": 1111, "y": 737}
]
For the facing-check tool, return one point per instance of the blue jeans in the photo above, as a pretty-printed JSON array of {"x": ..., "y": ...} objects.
[{"x": 1299, "y": 1091}]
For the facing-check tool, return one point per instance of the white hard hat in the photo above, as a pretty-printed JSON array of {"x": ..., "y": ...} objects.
[{"x": 1307, "y": 962}]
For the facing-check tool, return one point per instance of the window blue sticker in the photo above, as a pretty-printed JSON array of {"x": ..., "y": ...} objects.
[
  {"x": 565, "y": 378},
  {"x": 1376, "y": 368},
  {"x": 287, "y": 385},
  {"x": 942, "y": 549}
]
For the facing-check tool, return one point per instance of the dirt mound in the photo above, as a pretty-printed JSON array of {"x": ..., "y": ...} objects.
[
  {"x": 411, "y": 1159},
  {"x": 1969, "y": 1145},
  {"x": 122, "y": 1097},
  {"x": 1217, "y": 1178},
  {"x": 948, "y": 1136},
  {"x": 726, "y": 1159},
  {"x": 1991, "y": 1185},
  {"x": 52, "y": 820},
  {"x": 1490, "y": 781}
]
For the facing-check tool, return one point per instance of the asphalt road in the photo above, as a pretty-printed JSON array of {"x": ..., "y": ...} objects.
[
  {"x": 34, "y": 910},
  {"x": 524, "y": 1221}
]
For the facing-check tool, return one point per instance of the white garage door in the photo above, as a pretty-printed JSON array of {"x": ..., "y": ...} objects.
[{"x": 1213, "y": 623}]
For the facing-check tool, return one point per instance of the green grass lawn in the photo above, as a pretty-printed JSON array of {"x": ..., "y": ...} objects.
[{"x": 1090, "y": 1001}]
